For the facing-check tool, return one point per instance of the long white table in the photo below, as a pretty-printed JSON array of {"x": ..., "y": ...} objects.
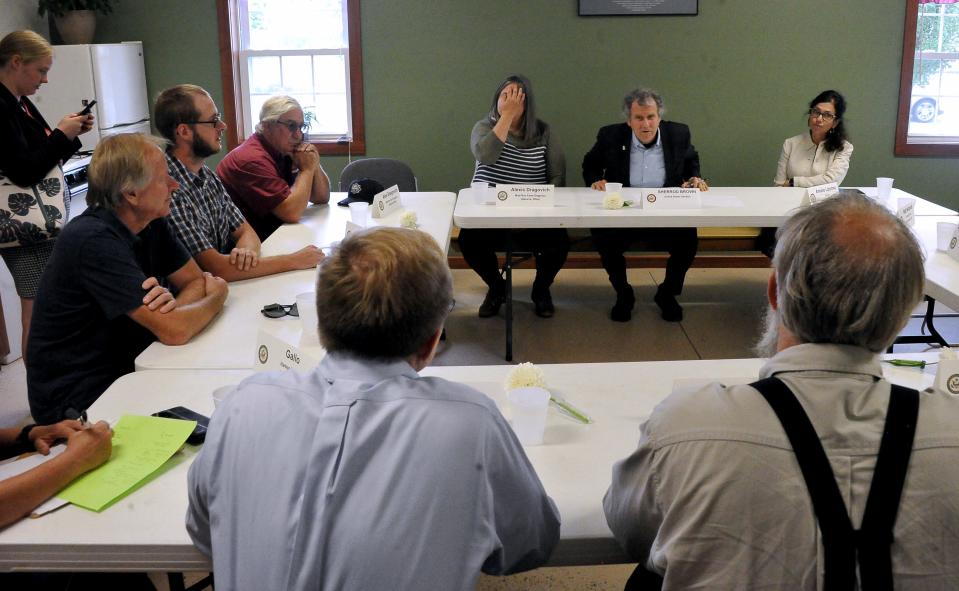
[
  {"x": 941, "y": 278},
  {"x": 229, "y": 341},
  {"x": 145, "y": 531},
  {"x": 582, "y": 207}
]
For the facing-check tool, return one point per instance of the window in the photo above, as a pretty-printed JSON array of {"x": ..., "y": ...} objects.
[
  {"x": 928, "y": 121},
  {"x": 308, "y": 49}
]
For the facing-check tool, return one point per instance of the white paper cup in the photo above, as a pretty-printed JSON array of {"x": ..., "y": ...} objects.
[
  {"x": 528, "y": 407},
  {"x": 306, "y": 306},
  {"x": 884, "y": 187},
  {"x": 221, "y": 393},
  {"x": 614, "y": 187},
  {"x": 479, "y": 189},
  {"x": 359, "y": 212},
  {"x": 944, "y": 231}
]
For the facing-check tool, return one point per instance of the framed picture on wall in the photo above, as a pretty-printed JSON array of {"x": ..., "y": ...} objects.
[{"x": 637, "y": 7}]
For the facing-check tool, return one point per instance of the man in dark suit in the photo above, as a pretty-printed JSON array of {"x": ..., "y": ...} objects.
[{"x": 644, "y": 152}]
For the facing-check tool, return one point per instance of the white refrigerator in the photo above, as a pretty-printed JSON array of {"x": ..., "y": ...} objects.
[{"x": 111, "y": 73}]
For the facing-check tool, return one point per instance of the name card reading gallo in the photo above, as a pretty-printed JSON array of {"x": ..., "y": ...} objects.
[
  {"x": 820, "y": 192},
  {"x": 671, "y": 198},
  {"x": 525, "y": 195},
  {"x": 386, "y": 202},
  {"x": 274, "y": 354}
]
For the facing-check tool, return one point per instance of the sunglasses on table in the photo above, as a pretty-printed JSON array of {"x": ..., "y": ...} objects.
[{"x": 279, "y": 310}]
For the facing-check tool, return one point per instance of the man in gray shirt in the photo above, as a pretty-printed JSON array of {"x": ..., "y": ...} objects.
[
  {"x": 361, "y": 474},
  {"x": 730, "y": 490}
]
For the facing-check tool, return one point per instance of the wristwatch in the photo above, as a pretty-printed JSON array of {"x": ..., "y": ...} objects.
[{"x": 23, "y": 439}]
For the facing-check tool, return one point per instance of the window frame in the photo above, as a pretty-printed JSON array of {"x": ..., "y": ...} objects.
[
  {"x": 227, "y": 17},
  {"x": 903, "y": 148}
]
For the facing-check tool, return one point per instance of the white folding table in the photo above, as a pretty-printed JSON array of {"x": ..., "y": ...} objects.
[
  {"x": 229, "y": 341},
  {"x": 582, "y": 207},
  {"x": 145, "y": 530}
]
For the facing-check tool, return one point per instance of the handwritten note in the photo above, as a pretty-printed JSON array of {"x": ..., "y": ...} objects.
[{"x": 141, "y": 445}]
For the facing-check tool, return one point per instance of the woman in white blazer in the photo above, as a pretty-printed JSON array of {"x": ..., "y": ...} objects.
[{"x": 821, "y": 155}]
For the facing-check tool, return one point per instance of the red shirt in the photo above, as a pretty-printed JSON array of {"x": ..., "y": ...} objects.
[{"x": 258, "y": 179}]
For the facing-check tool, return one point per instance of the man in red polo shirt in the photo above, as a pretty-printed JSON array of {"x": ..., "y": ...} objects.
[{"x": 275, "y": 172}]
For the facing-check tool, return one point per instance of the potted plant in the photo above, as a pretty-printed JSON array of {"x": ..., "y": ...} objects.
[{"x": 75, "y": 19}]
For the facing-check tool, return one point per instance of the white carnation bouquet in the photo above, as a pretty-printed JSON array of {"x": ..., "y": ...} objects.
[
  {"x": 615, "y": 201},
  {"x": 527, "y": 375}
]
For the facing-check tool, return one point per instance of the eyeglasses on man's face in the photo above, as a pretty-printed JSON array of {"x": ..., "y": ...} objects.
[
  {"x": 293, "y": 126},
  {"x": 214, "y": 121},
  {"x": 826, "y": 115}
]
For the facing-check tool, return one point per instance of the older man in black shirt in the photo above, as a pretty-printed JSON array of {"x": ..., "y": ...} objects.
[{"x": 100, "y": 302}]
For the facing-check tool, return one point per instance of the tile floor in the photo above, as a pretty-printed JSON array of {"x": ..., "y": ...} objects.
[{"x": 723, "y": 312}]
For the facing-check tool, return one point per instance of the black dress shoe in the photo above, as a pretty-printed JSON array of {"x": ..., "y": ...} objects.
[
  {"x": 543, "y": 303},
  {"x": 491, "y": 303},
  {"x": 670, "y": 308},
  {"x": 623, "y": 308}
]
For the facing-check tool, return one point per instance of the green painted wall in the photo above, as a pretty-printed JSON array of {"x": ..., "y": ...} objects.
[{"x": 740, "y": 74}]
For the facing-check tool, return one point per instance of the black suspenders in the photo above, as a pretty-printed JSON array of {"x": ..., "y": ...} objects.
[{"x": 871, "y": 545}]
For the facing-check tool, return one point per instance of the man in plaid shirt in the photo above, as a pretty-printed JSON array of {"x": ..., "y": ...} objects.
[{"x": 202, "y": 214}]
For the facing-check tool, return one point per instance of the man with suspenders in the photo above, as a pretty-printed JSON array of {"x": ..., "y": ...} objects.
[{"x": 821, "y": 475}]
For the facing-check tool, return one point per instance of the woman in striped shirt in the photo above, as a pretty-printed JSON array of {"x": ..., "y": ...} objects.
[{"x": 512, "y": 146}]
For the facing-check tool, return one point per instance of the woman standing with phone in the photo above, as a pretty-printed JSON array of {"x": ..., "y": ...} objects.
[{"x": 29, "y": 150}]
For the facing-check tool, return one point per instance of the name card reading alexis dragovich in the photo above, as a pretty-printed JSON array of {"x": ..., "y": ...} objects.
[
  {"x": 525, "y": 195},
  {"x": 671, "y": 198}
]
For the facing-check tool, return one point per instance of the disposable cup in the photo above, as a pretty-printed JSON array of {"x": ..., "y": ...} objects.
[
  {"x": 884, "y": 187},
  {"x": 479, "y": 190},
  {"x": 614, "y": 187},
  {"x": 221, "y": 393},
  {"x": 306, "y": 306},
  {"x": 359, "y": 211},
  {"x": 944, "y": 232},
  {"x": 528, "y": 407}
]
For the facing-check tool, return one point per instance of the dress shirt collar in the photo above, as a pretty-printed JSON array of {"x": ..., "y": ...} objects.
[
  {"x": 348, "y": 366},
  {"x": 638, "y": 145},
  {"x": 824, "y": 357},
  {"x": 183, "y": 172}
]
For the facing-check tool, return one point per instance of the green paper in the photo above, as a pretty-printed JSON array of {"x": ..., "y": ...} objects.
[{"x": 141, "y": 445}]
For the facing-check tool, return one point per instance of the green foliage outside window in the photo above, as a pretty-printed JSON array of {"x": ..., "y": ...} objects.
[{"x": 931, "y": 23}]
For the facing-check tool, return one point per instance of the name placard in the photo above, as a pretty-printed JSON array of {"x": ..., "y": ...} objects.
[
  {"x": 947, "y": 376},
  {"x": 820, "y": 192},
  {"x": 953, "y": 249},
  {"x": 525, "y": 195},
  {"x": 671, "y": 198},
  {"x": 906, "y": 211},
  {"x": 351, "y": 227},
  {"x": 386, "y": 202},
  {"x": 274, "y": 354}
]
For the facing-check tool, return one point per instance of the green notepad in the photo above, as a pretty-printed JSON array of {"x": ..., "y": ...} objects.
[{"x": 141, "y": 445}]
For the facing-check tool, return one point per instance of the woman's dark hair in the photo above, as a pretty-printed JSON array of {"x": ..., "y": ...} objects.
[
  {"x": 530, "y": 126},
  {"x": 837, "y": 135}
]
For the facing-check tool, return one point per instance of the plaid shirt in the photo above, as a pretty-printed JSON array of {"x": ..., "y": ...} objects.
[{"x": 201, "y": 212}]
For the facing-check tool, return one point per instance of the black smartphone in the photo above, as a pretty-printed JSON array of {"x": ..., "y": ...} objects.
[
  {"x": 86, "y": 109},
  {"x": 185, "y": 414}
]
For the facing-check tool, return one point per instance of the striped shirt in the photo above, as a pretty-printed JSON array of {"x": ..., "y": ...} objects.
[
  {"x": 514, "y": 166},
  {"x": 202, "y": 214}
]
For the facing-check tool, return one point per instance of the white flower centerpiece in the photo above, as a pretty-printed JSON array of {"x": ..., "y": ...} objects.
[
  {"x": 615, "y": 201},
  {"x": 527, "y": 375},
  {"x": 409, "y": 220}
]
